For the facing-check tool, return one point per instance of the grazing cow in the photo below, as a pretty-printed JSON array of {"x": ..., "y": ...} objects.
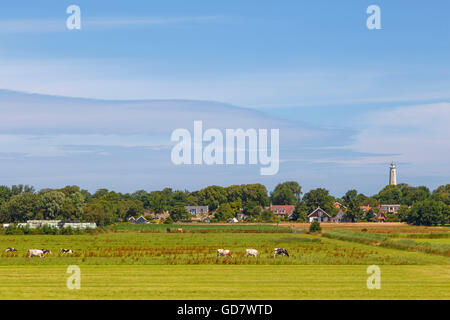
[
  {"x": 280, "y": 251},
  {"x": 251, "y": 252},
  {"x": 10, "y": 250},
  {"x": 36, "y": 253},
  {"x": 67, "y": 251},
  {"x": 45, "y": 251},
  {"x": 224, "y": 252}
]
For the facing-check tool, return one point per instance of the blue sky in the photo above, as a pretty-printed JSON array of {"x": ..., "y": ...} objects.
[{"x": 369, "y": 96}]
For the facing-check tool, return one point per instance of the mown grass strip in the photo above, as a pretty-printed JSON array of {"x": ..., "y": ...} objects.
[{"x": 386, "y": 241}]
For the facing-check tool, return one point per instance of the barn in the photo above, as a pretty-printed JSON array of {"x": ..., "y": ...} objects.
[{"x": 319, "y": 215}]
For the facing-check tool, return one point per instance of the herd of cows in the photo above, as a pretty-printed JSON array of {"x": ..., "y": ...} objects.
[
  {"x": 253, "y": 252},
  {"x": 41, "y": 253}
]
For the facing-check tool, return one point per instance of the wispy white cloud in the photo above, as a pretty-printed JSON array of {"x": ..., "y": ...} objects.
[
  {"x": 20, "y": 26},
  {"x": 418, "y": 135}
]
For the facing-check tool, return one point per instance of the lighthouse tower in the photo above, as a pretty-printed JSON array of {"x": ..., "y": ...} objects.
[{"x": 392, "y": 175}]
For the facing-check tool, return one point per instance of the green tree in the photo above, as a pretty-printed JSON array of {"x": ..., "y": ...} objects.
[
  {"x": 370, "y": 216},
  {"x": 212, "y": 196},
  {"x": 429, "y": 212},
  {"x": 51, "y": 204},
  {"x": 179, "y": 213},
  {"x": 99, "y": 211},
  {"x": 411, "y": 195},
  {"x": 442, "y": 193},
  {"x": 5, "y": 194},
  {"x": 158, "y": 201},
  {"x": 224, "y": 212},
  {"x": 390, "y": 195},
  {"x": 255, "y": 193},
  {"x": 20, "y": 208},
  {"x": 129, "y": 208},
  {"x": 286, "y": 193},
  {"x": 320, "y": 198},
  {"x": 301, "y": 212},
  {"x": 252, "y": 209},
  {"x": 20, "y": 188},
  {"x": 352, "y": 202},
  {"x": 267, "y": 216}
]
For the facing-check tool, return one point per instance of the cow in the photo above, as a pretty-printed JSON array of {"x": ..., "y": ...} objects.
[
  {"x": 10, "y": 250},
  {"x": 168, "y": 229},
  {"x": 280, "y": 251},
  {"x": 180, "y": 229},
  {"x": 36, "y": 253},
  {"x": 251, "y": 252},
  {"x": 69, "y": 251},
  {"x": 45, "y": 251},
  {"x": 224, "y": 252}
]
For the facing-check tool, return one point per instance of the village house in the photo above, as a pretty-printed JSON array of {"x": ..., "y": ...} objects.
[
  {"x": 141, "y": 219},
  {"x": 339, "y": 217},
  {"x": 158, "y": 216},
  {"x": 385, "y": 209},
  {"x": 319, "y": 215},
  {"x": 339, "y": 205},
  {"x": 389, "y": 208},
  {"x": 132, "y": 219},
  {"x": 282, "y": 210},
  {"x": 202, "y": 218},
  {"x": 194, "y": 210}
]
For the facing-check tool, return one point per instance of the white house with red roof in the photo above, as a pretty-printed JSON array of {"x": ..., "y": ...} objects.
[{"x": 281, "y": 210}]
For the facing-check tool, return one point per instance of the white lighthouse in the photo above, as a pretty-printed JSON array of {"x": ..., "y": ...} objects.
[{"x": 392, "y": 175}]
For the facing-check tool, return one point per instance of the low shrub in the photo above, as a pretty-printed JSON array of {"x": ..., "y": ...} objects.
[{"x": 315, "y": 227}]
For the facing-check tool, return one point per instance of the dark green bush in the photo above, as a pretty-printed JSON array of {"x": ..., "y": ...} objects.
[{"x": 315, "y": 227}]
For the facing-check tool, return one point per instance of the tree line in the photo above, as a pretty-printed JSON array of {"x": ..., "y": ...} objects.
[{"x": 419, "y": 206}]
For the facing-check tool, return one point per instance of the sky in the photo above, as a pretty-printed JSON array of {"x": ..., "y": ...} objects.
[{"x": 96, "y": 106}]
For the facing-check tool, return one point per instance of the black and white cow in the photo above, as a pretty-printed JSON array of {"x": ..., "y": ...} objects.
[
  {"x": 69, "y": 251},
  {"x": 280, "y": 251},
  {"x": 224, "y": 252},
  {"x": 45, "y": 251},
  {"x": 10, "y": 250}
]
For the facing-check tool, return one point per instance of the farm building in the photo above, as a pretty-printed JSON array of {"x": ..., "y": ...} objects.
[
  {"x": 33, "y": 224},
  {"x": 132, "y": 220},
  {"x": 193, "y": 210},
  {"x": 282, "y": 210},
  {"x": 141, "y": 219},
  {"x": 232, "y": 220},
  {"x": 319, "y": 215},
  {"x": 80, "y": 225}
]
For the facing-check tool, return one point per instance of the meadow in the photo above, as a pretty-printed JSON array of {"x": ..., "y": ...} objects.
[{"x": 147, "y": 262}]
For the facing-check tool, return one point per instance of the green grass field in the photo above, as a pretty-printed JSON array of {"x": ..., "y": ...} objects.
[{"x": 136, "y": 264}]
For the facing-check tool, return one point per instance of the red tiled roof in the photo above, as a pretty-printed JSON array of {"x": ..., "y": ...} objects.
[{"x": 288, "y": 208}]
